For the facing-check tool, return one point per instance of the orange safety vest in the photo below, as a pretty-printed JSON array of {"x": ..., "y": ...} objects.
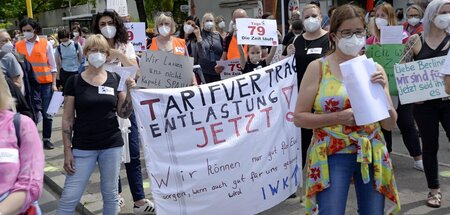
[
  {"x": 233, "y": 51},
  {"x": 38, "y": 59},
  {"x": 178, "y": 46}
]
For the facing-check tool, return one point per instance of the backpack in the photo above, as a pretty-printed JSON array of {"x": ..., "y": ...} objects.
[{"x": 32, "y": 88}]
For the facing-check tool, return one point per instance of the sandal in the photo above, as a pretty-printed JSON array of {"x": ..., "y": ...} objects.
[{"x": 434, "y": 201}]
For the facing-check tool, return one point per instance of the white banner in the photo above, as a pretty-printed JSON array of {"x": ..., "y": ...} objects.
[
  {"x": 227, "y": 147},
  {"x": 420, "y": 80},
  {"x": 165, "y": 70},
  {"x": 232, "y": 68},
  {"x": 120, "y": 6},
  {"x": 136, "y": 34},
  {"x": 261, "y": 32}
]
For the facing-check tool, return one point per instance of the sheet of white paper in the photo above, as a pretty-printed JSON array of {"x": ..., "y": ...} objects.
[
  {"x": 231, "y": 69},
  {"x": 369, "y": 101},
  {"x": 391, "y": 34},
  {"x": 124, "y": 73},
  {"x": 445, "y": 70},
  {"x": 55, "y": 103}
]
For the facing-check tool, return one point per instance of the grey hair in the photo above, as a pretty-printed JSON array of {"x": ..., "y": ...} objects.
[
  {"x": 430, "y": 13},
  {"x": 204, "y": 18},
  {"x": 416, "y": 7}
]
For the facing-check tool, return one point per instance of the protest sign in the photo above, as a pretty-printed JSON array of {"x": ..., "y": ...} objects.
[
  {"x": 120, "y": 6},
  {"x": 369, "y": 101},
  {"x": 165, "y": 70},
  {"x": 227, "y": 147},
  {"x": 232, "y": 68},
  {"x": 391, "y": 34},
  {"x": 136, "y": 34},
  {"x": 420, "y": 80},
  {"x": 261, "y": 32},
  {"x": 387, "y": 56},
  {"x": 445, "y": 70}
]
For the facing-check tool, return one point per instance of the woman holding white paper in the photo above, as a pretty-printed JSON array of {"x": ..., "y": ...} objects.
[
  {"x": 340, "y": 150},
  {"x": 384, "y": 16},
  {"x": 434, "y": 42}
]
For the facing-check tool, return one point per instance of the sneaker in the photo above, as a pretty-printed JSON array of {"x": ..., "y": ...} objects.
[
  {"x": 48, "y": 145},
  {"x": 147, "y": 208},
  {"x": 418, "y": 165}
]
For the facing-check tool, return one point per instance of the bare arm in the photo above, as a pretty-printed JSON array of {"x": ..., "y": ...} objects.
[
  {"x": 242, "y": 59},
  {"x": 309, "y": 87},
  {"x": 388, "y": 123},
  {"x": 447, "y": 84},
  {"x": 67, "y": 129},
  {"x": 410, "y": 48},
  {"x": 13, "y": 203},
  {"x": 124, "y": 105},
  {"x": 18, "y": 81},
  {"x": 272, "y": 52}
]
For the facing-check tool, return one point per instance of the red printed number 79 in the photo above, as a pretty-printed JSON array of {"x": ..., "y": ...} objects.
[{"x": 260, "y": 30}]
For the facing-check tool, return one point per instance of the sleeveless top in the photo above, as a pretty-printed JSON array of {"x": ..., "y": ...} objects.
[
  {"x": 367, "y": 142},
  {"x": 426, "y": 52}
]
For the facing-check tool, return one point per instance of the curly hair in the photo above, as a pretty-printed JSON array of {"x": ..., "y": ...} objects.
[{"x": 121, "y": 32}]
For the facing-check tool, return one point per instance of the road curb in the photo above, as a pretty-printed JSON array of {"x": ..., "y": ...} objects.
[{"x": 58, "y": 191}]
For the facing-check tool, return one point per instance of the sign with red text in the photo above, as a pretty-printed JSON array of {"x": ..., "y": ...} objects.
[
  {"x": 420, "y": 80},
  {"x": 165, "y": 70},
  {"x": 261, "y": 32},
  {"x": 120, "y": 6},
  {"x": 227, "y": 147},
  {"x": 232, "y": 68},
  {"x": 136, "y": 34}
]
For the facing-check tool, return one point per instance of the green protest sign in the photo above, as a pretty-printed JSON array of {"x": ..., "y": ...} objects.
[{"x": 387, "y": 56}]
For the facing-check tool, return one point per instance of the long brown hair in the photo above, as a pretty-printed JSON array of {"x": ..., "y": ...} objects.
[
  {"x": 389, "y": 10},
  {"x": 342, "y": 13}
]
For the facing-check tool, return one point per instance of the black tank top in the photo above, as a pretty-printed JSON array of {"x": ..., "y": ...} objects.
[{"x": 426, "y": 52}]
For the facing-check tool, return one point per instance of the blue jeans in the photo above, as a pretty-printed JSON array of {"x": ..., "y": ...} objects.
[
  {"x": 46, "y": 96},
  {"x": 342, "y": 167},
  {"x": 85, "y": 161},
  {"x": 134, "y": 172}
]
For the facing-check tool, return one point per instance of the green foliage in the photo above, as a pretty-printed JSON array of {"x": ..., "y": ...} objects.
[
  {"x": 17, "y": 8},
  {"x": 152, "y": 7}
]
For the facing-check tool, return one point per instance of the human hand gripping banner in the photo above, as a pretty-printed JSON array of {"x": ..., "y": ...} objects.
[{"x": 227, "y": 147}]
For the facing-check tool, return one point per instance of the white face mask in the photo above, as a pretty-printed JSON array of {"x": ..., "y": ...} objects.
[
  {"x": 413, "y": 21},
  {"x": 381, "y": 22},
  {"x": 254, "y": 58},
  {"x": 442, "y": 21},
  {"x": 76, "y": 34},
  {"x": 109, "y": 31},
  {"x": 28, "y": 35},
  {"x": 230, "y": 26},
  {"x": 52, "y": 42},
  {"x": 96, "y": 59},
  {"x": 351, "y": 46},
  {"x": 7, "y": 47},
  {"x": 209, "y": 25},
  {"x": 188, "y": 29},
  {"x": 311, "y": 24},
  {"x": 67, "y": 43},
  {"x": 222, "y": 25},
  {"x": 164, "y": 30}
]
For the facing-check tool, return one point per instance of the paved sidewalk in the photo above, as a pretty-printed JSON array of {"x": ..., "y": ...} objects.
[{"x": 411, "y": 183}]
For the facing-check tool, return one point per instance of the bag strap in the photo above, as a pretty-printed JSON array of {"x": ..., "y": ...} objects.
[
  {"x": 16, "y": 122},
  {"x": 59, "y": 51},
  {"x": 443, "y": 43}
]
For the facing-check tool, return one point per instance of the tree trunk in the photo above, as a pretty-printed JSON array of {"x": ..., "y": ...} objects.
[{"x": 141, "y": 11}]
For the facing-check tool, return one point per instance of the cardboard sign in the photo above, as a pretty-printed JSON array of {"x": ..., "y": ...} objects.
[
  {"x": 261, "y": 32},
  {"x": 420, "y": 80},
  {"x": 120, "y": 6},
  {"x": 387, "y": 56},
  {"x": 228, "y": 147},
  {"x": 232, "y": 68},
  {"x": 136, "y": 34},
  {"x": 165, "y": 70}
]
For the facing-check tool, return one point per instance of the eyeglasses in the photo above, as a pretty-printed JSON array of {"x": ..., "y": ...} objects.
[
  {"x": 348, "y": 33},
  {"x": 167, "y": 13}
]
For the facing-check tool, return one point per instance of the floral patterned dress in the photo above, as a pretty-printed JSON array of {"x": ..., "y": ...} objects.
[{"x": 365, "y": 141}]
